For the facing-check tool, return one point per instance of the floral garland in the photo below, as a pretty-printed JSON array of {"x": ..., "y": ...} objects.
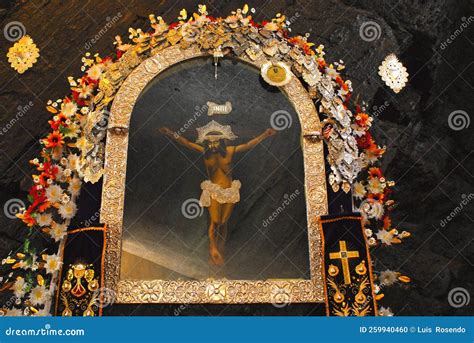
[{"x": 73, "y": 151}]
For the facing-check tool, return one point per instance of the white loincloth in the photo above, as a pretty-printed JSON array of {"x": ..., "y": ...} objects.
[{"x": 210, "y": 190}]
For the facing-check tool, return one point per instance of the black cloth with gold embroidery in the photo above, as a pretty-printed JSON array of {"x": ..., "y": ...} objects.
[
  {"x": 348, "y": 279},
  {"x": 81, "y": 280}
]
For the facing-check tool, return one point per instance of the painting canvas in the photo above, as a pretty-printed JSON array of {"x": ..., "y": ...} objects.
[{"x": 215, "y": 179}]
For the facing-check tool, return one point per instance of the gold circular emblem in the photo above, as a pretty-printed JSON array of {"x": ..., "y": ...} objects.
[{"x": 276, "y": 73}]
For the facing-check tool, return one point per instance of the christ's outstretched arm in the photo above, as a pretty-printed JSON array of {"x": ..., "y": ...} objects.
[
  {"x": 253, "y": 142},
  {"x": 181, "y": 140}
]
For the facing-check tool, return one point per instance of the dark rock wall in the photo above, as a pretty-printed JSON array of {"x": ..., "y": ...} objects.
[{"x": 431, "y": 163}]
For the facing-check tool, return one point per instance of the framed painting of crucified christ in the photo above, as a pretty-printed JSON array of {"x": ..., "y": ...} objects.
[{"x": 211, "y": 189}]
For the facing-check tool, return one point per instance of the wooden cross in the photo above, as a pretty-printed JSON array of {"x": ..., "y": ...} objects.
[{"x": 344, "y": 256}]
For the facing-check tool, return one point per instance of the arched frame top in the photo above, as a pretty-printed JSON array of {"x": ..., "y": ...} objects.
[{"x": 207, "y": 291}]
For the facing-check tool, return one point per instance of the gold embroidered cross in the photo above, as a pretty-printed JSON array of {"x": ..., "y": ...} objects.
[{"x": 344, "y": 256}]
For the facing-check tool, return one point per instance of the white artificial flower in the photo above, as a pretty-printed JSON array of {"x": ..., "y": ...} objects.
[
  {"x": 69, "y": 109},
  {"x": 375, "y": 186},
  {"x": 358, "y": 190},
  {"x": 65, "y": 198},
  {"x": 72, "y": 161},
  {"x": 44, "y": 219},
  {"x": 52, "y": 263},
  {"x": 58, "y": 231},
  {"x": 67, "y": 210},
  {"x": 388, "y": 277},
  {"x": 18, "y": 287},
  {"x": 372, "y": 242},
  {"x": 75, "y": 186},
  {"x": 38, "y": 295},
  {"x": 54, "y": 193},
  {"x": 368, "y": 232},
  {"x": 95, "y": 71},
  {"x": 385, "y": 236}
]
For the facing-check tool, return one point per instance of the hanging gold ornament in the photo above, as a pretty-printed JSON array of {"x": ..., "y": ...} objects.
[
  {"x": 276, "y": 74},
  {"x": 23, "y": 54}
]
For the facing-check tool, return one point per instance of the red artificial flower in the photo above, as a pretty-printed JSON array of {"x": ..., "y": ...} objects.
[
  {"x": 322, "y": 64},
  {"x": 27, "y": 218},
  {"x": 341, "y": 83},
  {"x": 43, "y": 179},
  {"x": 375, "y": 172},
  {"x": 379, "y": 197},
  {"x": 363, "y": 119},
  {"x": 365, "y": 141},
  {"x": 374, "y": 150},
  {"x": 54, "y": 139},
  {"x": 172, "y": 26},
  {"x": 77, "y": 98},
  {"x": 60, "y": 121},
  {"x": 307, "y": 50},
  {"x": 37, "y": 193}
]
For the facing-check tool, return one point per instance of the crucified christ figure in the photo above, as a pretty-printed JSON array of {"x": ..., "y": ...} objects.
[{"x": 220, "y": 193}]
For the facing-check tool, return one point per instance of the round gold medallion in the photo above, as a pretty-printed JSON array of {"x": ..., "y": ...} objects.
[{"x": 276, "y": 74}]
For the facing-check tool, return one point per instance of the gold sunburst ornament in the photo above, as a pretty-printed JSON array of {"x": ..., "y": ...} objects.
[
  {"x": 23, "y": 54},
  {"x": 276, "y": 74},
  {"x": 393, "y": 73}
]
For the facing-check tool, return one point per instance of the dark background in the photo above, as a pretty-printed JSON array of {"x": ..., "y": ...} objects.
[{"x": 431, "y": 163}]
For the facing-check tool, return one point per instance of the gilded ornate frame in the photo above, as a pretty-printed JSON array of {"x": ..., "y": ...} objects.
[{"x": 208, "y": 291}]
